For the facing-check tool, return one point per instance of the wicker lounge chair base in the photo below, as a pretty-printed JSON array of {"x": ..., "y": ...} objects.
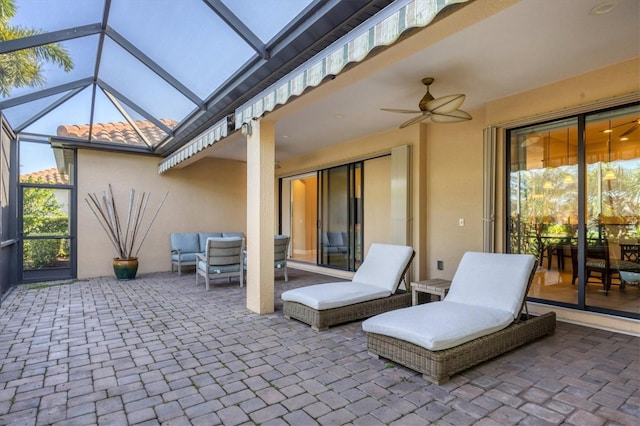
[
  {"x": 438, "y": 366},
  {"x": 322, "y": 319}
]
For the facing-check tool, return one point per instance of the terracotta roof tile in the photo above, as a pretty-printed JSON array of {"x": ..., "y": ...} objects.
[
  {"x": 49, "y": 176},
  {"x": 120, "y": 132}
]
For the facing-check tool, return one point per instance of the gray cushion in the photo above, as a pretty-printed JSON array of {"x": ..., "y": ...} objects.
[
  {"x": 233, "y": 234},
  {"x": 203, "y": 239},
  {"x": 184, "y": 257},
  {"x": 186, "y": 242},
  {"x": 219, "y": 269},
  {"x": 335, "y": 239}
]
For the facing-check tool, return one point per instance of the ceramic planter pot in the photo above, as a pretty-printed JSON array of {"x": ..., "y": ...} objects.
[{"x": 125, "y": 269}]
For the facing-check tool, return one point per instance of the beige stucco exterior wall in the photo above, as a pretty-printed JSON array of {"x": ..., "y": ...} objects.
[
  {"x": 454, "y": 191},
  {"x": 611, "y": 82},
  {"x": 209, "y": 195}
]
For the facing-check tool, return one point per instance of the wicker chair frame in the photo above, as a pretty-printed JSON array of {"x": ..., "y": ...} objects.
[
  {"x": 438, "y": 366},
  {"x": 320, "y": 320}
]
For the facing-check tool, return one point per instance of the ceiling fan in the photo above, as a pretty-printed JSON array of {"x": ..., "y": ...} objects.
[
  {"x": 440, "y": 110},
  {"x": 635, "y": 124}
]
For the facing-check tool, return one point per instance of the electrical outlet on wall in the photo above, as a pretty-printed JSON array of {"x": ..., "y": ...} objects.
[{"x": 461, "y": 221}]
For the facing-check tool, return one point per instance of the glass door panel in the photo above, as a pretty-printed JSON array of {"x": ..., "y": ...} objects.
[
  {"x": 46, "y": 230},
  {"x": 45, "y": 225},
  {"x": 612, "y": 267},
  {"x": 544, "y": 205},
  {"x": 334, "y": 237},
  {"x": 304, "y": 218},
  {"x": 341, "y": 212}
]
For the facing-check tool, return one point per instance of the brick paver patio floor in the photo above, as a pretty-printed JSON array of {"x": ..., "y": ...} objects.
[{"x": 159, "y": 350}]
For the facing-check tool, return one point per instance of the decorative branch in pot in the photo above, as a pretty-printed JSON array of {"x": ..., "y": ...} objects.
[{"x": 125, "y": 236}]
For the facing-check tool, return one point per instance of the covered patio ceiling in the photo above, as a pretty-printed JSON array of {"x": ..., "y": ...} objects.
[
  {"x": 150, "y": 75},
  {"x": 487, "y": 50}
]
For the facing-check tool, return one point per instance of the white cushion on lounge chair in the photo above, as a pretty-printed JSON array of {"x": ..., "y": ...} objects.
[
  {"x": 438, "y": 325},
  {"x": 492, "y": 280},
  {"x": 486, "y": 295},
  {"x": 377, "y": 277},
  {"x": 334, "y": 295},
  {"x": 383, "y": 266}
]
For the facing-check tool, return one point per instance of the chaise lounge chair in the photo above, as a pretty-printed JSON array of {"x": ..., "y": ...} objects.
[
  {"x": 373, "y": 290},
  {"x": 480, "y": 318}
]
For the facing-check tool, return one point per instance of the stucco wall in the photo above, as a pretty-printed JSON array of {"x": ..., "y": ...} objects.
[
  {"x": 209, "y": 195},
  {"x": 454, "y": 191}
]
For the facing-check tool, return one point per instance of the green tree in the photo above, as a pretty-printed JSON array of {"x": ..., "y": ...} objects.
[
  {"x": 43, "y": 216},
  {"x": 23, "y": 68}
]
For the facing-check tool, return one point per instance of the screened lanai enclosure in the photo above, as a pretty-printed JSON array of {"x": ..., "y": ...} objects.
[
  {"x": 148, "y": 75},
  {"x": 144, "y": 76},
  {"x": 172, "y": 84}
]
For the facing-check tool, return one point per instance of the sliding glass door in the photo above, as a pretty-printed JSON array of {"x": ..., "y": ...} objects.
[
  {"x": 323, "y": 213},
  {"x": 340, "y": 217},
  {"x": 575, "y": 205}
]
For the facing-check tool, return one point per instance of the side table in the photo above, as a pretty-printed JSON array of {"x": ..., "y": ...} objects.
[{"x": 436, "y": 287}]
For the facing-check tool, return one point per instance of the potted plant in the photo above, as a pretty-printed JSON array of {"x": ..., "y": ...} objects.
[{"x": 126, "y": 236}]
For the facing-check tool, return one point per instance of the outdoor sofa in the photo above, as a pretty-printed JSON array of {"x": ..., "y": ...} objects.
[
  {"x": 186, "y": 245},
  {"x": 374, "y": 289},
  {"x": 480, "y": 318}
]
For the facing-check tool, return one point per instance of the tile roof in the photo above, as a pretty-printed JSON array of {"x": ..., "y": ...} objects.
[
  {"x": 50, "y": 176},
  {"x": 119, "y": 132}
]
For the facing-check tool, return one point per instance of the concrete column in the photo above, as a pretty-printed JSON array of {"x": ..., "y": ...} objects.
[{"x": 260, "y": 216}]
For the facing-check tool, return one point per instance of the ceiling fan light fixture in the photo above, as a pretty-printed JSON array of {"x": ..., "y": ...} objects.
[{"x": 446, "y": 104}]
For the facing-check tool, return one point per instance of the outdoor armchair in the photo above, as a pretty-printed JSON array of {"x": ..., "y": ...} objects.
[
  {"x": 280, "y": 254},
  {"x": 184, "y": 247},
  {"x": 222, "y": 258}
]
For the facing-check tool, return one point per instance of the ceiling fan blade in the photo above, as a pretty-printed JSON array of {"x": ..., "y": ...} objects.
[
  {"x": 453, "y": 117},
  {"x": 630, "y": 130},
  {"x": 420, "y": 117},
  {"x": 402, "y": 111},
  {"x": 445, "y": 104}
]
